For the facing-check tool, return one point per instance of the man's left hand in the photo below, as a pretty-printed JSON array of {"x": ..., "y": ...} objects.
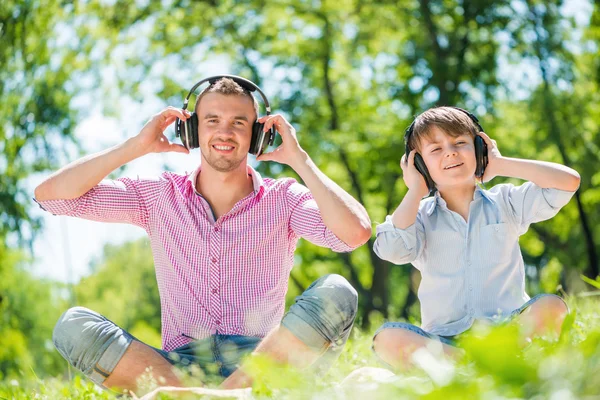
[{"x": 289, "y": 151}]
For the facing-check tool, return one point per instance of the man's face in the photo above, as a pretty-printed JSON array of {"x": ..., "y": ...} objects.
[
  {"x": 450, "y": 160},
  {"x": 225, "y": 129}
]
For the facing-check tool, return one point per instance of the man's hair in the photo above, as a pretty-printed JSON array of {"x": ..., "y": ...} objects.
[
  {"x": 227, "y": 87},
  {"x": 451, "y": 121}
]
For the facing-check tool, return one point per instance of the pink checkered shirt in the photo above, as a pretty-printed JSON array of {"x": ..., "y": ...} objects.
[{"x": 228, "y": 276}]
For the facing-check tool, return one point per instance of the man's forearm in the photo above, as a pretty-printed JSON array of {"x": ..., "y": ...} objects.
[
  {"x": 341, "y": 213},
  {"x": 78, "y": 177},
  {"x": 542, "y": 173}
]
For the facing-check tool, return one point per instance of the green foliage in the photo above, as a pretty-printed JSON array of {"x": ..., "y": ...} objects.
[
  {"x": 495, "y": 366},
  {"x": 123, "y": 288},
  {"x": 28, "y": 311}
]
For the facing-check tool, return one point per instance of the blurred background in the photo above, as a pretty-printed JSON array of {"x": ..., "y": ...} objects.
[{"x": 80, "y": 76}]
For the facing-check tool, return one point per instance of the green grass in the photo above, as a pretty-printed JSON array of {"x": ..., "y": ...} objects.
[{"x": 495, "y": 367}]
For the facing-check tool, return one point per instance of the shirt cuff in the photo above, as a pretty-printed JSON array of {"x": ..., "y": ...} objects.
[
  {"x": 336, "y": 244},
  {"x": 407, "y": 235},
  {"x": 557, "y": 198},
  {"x": 58, "y": 207}
]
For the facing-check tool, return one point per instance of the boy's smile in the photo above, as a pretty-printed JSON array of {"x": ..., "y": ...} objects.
[{"x": 450, "y": 160}]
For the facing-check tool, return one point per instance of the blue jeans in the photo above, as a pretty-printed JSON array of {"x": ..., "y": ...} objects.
[
  {"x": 321, "y": 318},
  {"x": 451, "y": 340}
]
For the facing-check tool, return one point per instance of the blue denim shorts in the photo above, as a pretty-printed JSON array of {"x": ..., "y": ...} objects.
[
  {"x": 451, "y": 340},
  {"x": 321, "y": 318}
]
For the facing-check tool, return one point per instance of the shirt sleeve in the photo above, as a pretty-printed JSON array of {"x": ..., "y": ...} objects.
[
  {"x": 306, "y": 220},
  {"x": 123, "y": 200},
  {"x": 399, "y": 246},
  {"x": 529, "y": 203}
]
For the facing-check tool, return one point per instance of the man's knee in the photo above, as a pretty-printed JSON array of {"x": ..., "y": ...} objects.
[
  {"x": 336, "y": 297},
  {"x": 81, "y": 336}
]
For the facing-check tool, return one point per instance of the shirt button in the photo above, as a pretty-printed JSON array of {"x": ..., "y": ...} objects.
[
  {"x": 214, "y": 291},
  {"x": 214, "y": 260},
  {"x": 216, "y": 229},
  {"x": 218, "y": 322},
  {"x": 497, "y": 229},
  {"x": 468, "y": 262},
  {"x": 470, "y": 287}
]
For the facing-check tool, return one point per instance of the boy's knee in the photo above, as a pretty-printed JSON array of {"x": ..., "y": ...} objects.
[{"x": 552, "y": 304}]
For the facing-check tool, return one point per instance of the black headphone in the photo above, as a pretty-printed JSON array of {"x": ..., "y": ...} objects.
[
  {"x": 187, "y": 129},
  {"x": 481, "y": 153}
]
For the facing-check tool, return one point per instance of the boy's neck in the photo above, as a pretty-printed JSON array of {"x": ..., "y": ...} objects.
[{"x": 458, "y": 199}]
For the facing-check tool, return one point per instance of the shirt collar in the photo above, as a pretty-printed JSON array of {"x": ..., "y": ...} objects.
[
  {"x": 438, "y": 200},
  {"x": 257, "y": 180}
]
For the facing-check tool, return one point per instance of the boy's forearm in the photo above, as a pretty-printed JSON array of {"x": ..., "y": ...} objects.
[
  {"x": 542, "y": 173},
  {"x": 406, "y": 213},
  {"x": 78, "y": 177}
]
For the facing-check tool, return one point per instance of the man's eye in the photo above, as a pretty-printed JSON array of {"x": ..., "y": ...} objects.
[
  {"x": 461, "y": 142},
  {"x": 436, "y": 149},
  {"x": 212, "y": 121}
]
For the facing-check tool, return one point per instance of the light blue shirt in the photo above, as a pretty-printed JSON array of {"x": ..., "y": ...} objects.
[{"x": 469, "y": 270}]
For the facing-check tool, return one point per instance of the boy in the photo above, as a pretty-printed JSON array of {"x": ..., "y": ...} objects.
[{"x": 465, "y": 240}]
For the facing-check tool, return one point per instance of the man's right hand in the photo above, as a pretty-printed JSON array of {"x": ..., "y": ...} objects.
[
  {"x": 412, "y": 177},
  {"x": 152, "y": 139}
]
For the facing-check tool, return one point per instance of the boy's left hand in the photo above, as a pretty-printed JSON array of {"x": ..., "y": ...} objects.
[{"x": 494, "y": 158}]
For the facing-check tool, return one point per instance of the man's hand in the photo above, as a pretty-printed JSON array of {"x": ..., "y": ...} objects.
[
  {"x": 412, "y": 177},
  {"x": 289, "y": 151},
  {"x": 494, "y": 168},
  {"x": 152, "y": 139}
]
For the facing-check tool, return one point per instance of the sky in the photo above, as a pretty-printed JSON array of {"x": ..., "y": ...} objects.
[{"x": 66, "y": 246}]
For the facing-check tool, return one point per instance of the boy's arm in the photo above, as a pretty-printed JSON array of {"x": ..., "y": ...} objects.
[
  {"x": 543, "y": 174},
  {"x": 406, "y": 213},
  {"x": 401, "y": 240},
  {"x": 78, "y": 177},
  {"x": 341, "y": 213}
]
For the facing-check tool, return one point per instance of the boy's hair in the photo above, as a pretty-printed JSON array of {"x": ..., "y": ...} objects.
[
  {"x": 450, "y": 120},
  {"x": 227, "y": 87}
]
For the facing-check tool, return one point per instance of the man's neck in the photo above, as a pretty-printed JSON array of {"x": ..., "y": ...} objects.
[
  {"x": 223, "y": 190},
  {"x": 458, "y": 199}
]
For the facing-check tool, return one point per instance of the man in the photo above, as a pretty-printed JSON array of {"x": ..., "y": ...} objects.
[{"x": 223, "y": 240}]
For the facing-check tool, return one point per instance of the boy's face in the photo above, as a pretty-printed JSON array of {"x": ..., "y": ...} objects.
[
  {"x": 225, "y": 129},
  {"x": 450, "y": 160}
]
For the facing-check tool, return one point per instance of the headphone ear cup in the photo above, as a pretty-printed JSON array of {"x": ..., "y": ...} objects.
[
  {"x": 481, "y": 156},
  {"x": 261, "y": 139},
  {"x": 422, "y": 168},
  {"x": 193, "y": 127}
]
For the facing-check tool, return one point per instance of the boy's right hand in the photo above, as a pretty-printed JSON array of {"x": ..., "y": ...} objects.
[
  {"x": 412, "y": 178},
  {"x": 152, "y": 139}
]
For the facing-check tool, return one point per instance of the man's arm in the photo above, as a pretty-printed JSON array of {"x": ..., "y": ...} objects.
[
  {"x": 543, "y": 174},
  {"x": 341, "y": 213},
  {"x": 78, "y": 177}
]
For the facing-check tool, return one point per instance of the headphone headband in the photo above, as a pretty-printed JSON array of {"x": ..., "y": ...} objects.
[{"x": 243, "y": 82}]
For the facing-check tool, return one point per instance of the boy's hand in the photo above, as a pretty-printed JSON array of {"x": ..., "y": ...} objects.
[
  {"x": 493, "y": 168},
  {"x": 412, "y": 178}
]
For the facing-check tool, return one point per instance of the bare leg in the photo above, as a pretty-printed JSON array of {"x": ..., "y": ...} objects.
[
  {"x": 543, "y": 317},
  {"x": 134, "y": 362},
  {"x": 281, "y": 346},
  {"x": 396, "y": 347}
]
